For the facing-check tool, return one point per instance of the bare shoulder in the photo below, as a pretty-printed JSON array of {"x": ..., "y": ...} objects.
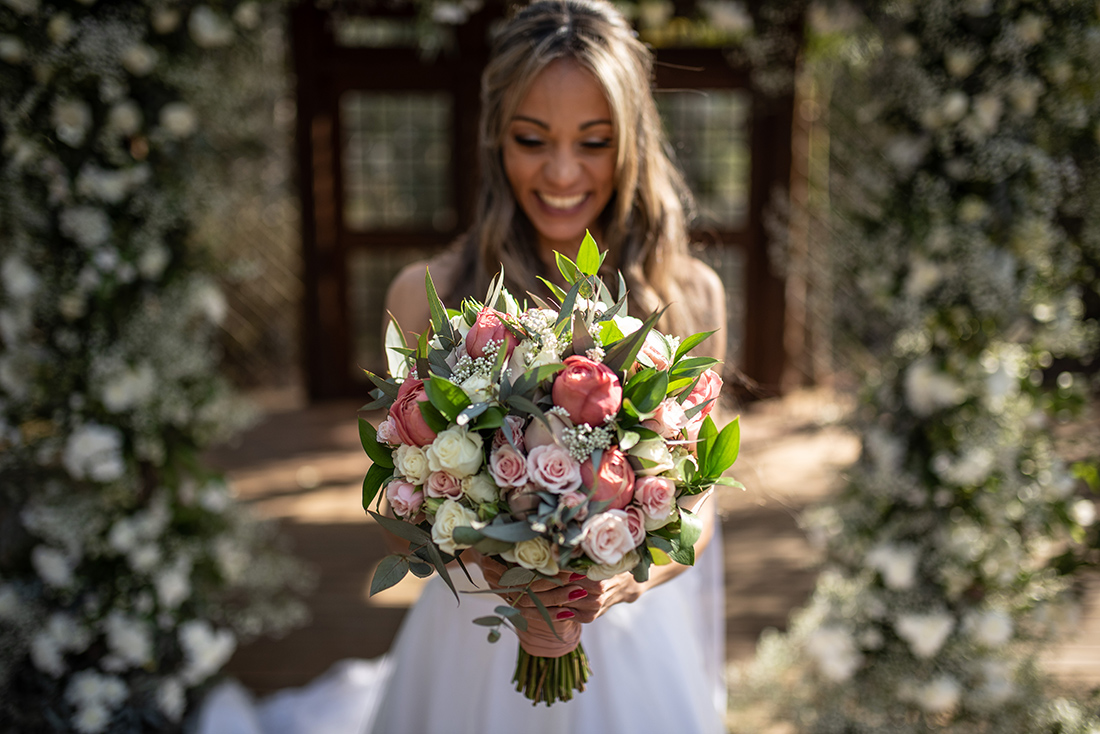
[
  {"x": 705, "y": 297},
  {"x": 700, "y": 278},
  {"x": 406, "y": 298}
]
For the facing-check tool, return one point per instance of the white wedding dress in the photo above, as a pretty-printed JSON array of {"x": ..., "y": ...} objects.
[{"x": 657, "y": 665}]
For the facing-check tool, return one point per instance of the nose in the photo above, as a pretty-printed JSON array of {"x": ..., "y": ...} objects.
[{"x": 562, "y": 167}]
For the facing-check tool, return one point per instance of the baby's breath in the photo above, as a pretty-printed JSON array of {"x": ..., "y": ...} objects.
[{"x": 583, "y": 439}]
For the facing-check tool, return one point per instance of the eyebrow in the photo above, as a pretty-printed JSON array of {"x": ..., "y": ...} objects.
[{"x": 543, "y": 125}]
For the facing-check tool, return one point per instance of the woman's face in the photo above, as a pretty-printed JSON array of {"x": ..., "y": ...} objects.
[{"x": 559, "y": 155}]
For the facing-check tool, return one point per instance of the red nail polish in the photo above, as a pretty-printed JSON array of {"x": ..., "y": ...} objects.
[
  {"x": 565, "y": 614},
  {"x": 577, "y": 594},
  {"x": 577, "y": 577}
]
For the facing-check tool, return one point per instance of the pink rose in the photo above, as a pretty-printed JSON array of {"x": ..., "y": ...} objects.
[
  {"x": 607, "y": 537},
  {"x": 404, "y": 498},
  {"x": 613, "y": 482},
  {"x": 515, "y": 424},
  {"x": 552, "y": 467},
  {"x": 488, "y": 327},
  {"x": 508, "y": 467},
  {"x": 708, "y": 387},
  {"x": 405, "y": 413},
  {"x": 668, "y": 419},
  {"x": 589, "y": 391},
  {"x": 635, "y": 520},
  {"x": 443, "y": 484},
  {"x": 576, "y": 498},
  {"x": 538, "y": 434},
  {"x": 655, "y": 496},
  {"x": 387, "y": 432}
]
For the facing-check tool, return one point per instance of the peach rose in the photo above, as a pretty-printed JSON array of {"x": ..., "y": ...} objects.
[
  {"x": 488, "y": 327},
  {"x": 655, "y": 496},
  {"x": 589, "y": 391},
  {"x": 607, "y": 537},
  {"x": 404, "y": 498},
  {"x": 387, "y": 433},
  {"x": 405, "y": 413},
  {"x": 508, "y": 467},
  {"x": 653, "y": 352},
  {"x": 614, "y": 481},
  {"x": 668, "y": 419},
  {"x": 635, "y": 520},
  {"x": 515, "y": 424},
  {"x": 576, "y": 498},
  {"x": 552, "y": 468},
  {"x": 443, "y": 484}
]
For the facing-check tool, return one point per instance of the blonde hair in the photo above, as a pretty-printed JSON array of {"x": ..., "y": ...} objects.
[{"x": 644, "y": 226}]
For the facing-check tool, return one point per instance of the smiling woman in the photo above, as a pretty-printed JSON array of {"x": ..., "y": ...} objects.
[{"x": 560, "y": 158}]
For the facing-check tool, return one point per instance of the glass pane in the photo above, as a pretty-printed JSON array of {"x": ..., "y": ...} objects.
[
  {"x": 709, "y": 135},
  {"x": 397, "y": 160}
]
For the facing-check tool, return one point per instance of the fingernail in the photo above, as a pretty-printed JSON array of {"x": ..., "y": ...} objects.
[
  {"x": 577, "y": 594},
  {"x": 565, "y": 614},
  {"x": 577, "y": 577}
]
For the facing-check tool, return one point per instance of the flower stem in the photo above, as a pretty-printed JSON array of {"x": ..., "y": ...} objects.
[{"x": 548, "y": 680}]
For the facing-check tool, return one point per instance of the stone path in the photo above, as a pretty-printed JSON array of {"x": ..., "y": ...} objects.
[{"x": 303, "y": 467}]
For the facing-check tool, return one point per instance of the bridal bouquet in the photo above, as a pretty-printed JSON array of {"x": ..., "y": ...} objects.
[{"x": 557, "y": 439}]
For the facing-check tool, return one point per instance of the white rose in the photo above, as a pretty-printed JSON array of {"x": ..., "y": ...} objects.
[
  {"x": 449, "y": 516},
  {"x": 655, "y": 451},
  {"x": 604, "y": 571},
  {"x": 607, "y": 537},
  {"x": 412, "y": 463},
  {"x": 456, "y": 450},
  {"x": 536, "y": 554},
  {"x": 480, "y": 488},
  {"x": 478, "y": 388}
]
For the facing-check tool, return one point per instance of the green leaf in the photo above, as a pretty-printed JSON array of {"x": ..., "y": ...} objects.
[
  {"x": 441, "y": 566},
  {"x": 379, "y": 454},
  {"x": 691, "y": 527},
  {"x": 708, "y": 432},
  {"x": 588, "y": 257},
  {"x": 683, "y": 554},
  {"x": 628, "y": 440},
  {"x": 620, "y": 356},
  {"x": 535, "y": 376},
  {"x": 440, "y": 323},
  {"x": 390, "y": 571},
  {"x": 690, "y": 343},
  {"x": 448, "y": 398},
  {"x": 494, "y": 635},
  {"x": 489, "y": 621},
  {"x": 435, "y": 420},
  {"x": 376, "y": 475},
  {"x": 567, "y": 268},
  {"x": 567, "y": 305},
  {"x": 641, "y": 571},
  {"x": 660, "y": 557},
  {"x": 724, "y": 452},
  {"x": 554, "y": 288},
  {"x": 388, "y": 387},
  {"x": 729, "y": 482},
  {"x": 402, "y": 529},
  {"x": 493, "y": 417},
  {"x": 517, "y": 576},
  {"x": 490, "y": 547},
  {"x": 525, "y": 405},
  {"x": 647, "y": 393}
]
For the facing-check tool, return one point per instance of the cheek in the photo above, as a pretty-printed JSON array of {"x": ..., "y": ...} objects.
[{"x": 517, "y": 169}]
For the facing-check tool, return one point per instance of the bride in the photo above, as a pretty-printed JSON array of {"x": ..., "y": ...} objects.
[{"x": 570, "y": 140}]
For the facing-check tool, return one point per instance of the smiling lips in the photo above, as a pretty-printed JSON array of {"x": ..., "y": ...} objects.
[{"x": 562, "y": 203}]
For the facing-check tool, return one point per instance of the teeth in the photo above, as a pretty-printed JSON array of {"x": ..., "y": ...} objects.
[{"x": 562, "y": 202}]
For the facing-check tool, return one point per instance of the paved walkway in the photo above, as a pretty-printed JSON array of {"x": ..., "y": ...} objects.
[{"x": 303, "y": 467}]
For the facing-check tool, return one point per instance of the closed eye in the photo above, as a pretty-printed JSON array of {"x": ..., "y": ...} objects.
[
  {"x": 527, "y": 142},
  {"x": 597, "y": 144}
]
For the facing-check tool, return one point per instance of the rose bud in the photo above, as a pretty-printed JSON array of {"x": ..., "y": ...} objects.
[
  {"x": 523, "y": 501},
  {"x": 613, "y": 482},
  {"x": 589, "y": 391},
  {"x": 538, "y": 434},
  {"x": 405, "y": 413},
  {"x": 488, "y": 327}
]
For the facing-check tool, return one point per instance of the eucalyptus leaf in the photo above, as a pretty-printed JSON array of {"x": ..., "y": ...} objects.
[
  {"x": 582, "y": 340},
  {"x": 544, "y": 612},
  {"x": 467, "y": 535},
  {"x": 421, "y": 570},
  {"x": 402, "y": 529},
  {"x": 517, "y": 576},
  {"x": 513, "y": 532},
  {"x": 389, "y": 572},
  {"x": 493, "y": 417},
  {"x": 491, "y": 547},
  {"x": 489, "y": 621},
  {"x": 507, "y": 611},
  {"x": 494, "y": 635}
]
